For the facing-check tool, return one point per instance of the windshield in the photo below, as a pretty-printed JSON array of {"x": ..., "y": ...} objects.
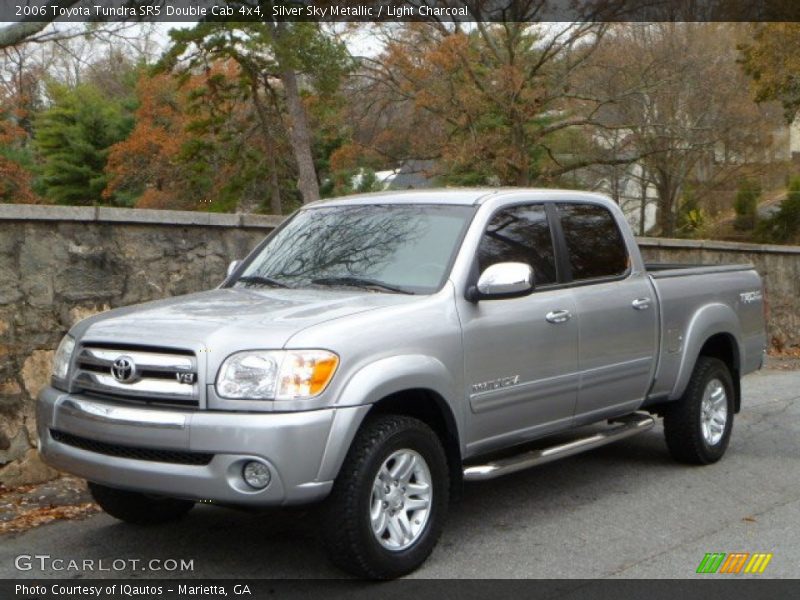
[{"x": 389, "y": 248}]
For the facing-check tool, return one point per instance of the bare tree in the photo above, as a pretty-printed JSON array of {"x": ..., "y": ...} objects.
[{"x": 683, "y": 105}]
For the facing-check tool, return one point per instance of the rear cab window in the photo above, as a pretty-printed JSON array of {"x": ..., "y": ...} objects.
[{"x": 594, "y": 244}]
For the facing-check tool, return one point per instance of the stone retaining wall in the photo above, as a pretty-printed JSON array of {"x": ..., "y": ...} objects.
[
  {"x": 60, "y": 264},
  {"x": 778, "y": 265}
]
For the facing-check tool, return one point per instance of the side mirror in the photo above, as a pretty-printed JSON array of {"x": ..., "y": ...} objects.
[
  {"x": 232, "y": 267},
  {"x": 503, "y": 280}
]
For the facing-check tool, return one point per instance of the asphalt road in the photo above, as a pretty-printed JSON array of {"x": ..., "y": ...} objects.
[{"x": 625, "y": 510}]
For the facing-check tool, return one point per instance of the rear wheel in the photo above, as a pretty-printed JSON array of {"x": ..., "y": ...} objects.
[
  {"x": 138, "y": 508},
  {"x": 389, "y": 502},
  {"x": 698, "y": 427}
]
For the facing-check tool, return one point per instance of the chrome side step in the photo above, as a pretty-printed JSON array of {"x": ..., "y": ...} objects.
[{"x": 624, "y": 427}]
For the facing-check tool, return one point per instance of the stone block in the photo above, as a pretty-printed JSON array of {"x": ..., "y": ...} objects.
[
  {"x": 28, "y": 470},
  {"x": 36, "y": 371}
]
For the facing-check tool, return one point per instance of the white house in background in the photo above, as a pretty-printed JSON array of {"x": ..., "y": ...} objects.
[
  {"x": 786, "y": 141},
  {"x": 627, "y": 184},
  {"x": 794, "y": 138},
  {"x": 636, "y": 197},
  {"x": 384, "y": 177},
  {"x": 411, "y": 174}
]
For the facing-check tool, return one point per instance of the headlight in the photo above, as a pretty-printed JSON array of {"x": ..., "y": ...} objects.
[
  {"x": 276, "y": 375},
  {"x": 63, "y": 356}
]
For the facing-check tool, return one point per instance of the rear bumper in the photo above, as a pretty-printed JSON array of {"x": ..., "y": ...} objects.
[{"x": 303, "y": 450}]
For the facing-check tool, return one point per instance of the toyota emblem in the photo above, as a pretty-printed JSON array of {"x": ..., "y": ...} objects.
[{"x": 124, "y": 369}]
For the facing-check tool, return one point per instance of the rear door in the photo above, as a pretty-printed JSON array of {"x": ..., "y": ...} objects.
[
  {"x": 617, "y": 313},
  {"x": 520, "y": 353}
]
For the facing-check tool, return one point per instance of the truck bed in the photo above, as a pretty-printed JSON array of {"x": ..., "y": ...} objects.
[{"x": 727, "y": 294}]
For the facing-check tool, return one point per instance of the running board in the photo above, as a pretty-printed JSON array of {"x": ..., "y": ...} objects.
[{"x": 623, "y": 427}]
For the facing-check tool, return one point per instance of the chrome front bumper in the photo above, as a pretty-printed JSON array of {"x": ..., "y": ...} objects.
[{"x": 304, "y": 450}]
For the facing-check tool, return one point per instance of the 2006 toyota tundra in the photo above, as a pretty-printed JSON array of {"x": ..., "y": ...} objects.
[{"x": 375, "y": 351}]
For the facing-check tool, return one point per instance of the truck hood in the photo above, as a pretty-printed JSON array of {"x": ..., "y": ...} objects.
[{"x": 230, "y": 319}]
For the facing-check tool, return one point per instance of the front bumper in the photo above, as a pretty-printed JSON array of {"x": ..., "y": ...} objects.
[{"x": 303, "y": 450}]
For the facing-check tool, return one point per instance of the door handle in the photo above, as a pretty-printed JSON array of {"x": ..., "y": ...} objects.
[
  {"x": 558, "y": 316},
  {"x": 641, "y": 303}
]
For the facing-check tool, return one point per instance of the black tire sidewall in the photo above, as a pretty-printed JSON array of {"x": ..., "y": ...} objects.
[{"x": 138, "y": 508}]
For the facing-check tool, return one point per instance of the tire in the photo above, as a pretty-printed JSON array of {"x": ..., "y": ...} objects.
[
  {"x": 138, "y": 508},
  {"x": 384, "y": 446},
  {"x": 688, "y": 440}
]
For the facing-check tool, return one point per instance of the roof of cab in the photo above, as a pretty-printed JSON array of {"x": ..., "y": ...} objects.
[{"x": 454, "y": 196}]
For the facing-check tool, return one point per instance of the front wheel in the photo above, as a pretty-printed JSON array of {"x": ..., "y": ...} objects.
[
  {"x": 389, "y": 502},
  {"x": 698, "y": 427}
]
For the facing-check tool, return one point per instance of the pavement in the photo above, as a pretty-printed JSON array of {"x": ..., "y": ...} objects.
[{"x": 622, "y": 511}]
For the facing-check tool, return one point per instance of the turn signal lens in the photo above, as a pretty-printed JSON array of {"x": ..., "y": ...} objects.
[{"x": 306, "y": 373}]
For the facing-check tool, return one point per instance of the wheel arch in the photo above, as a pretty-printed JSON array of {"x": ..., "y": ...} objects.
[
  {"x": 714, "y": 331},
  {"x": 723, "y": 346},
  {"x": 420, "y": 403},
  {"x": 432, "y": 409},
  {"x": 412, "y": 385}
]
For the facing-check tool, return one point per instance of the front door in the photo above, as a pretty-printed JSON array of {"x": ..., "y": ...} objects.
[{"x": 521, "y": 354}]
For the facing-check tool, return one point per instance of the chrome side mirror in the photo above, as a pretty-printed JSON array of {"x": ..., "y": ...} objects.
[
  {"x": 232, "y": 267},
  {"x": 504, "y": 280}
]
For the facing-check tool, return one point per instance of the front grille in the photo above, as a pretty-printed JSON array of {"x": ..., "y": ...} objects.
[
  {"x": 162, "y": 376},
  {"x": 166, "y": 456}
]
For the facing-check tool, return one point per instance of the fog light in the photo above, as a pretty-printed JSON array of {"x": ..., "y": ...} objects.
[{"x": 256, "y": 474}]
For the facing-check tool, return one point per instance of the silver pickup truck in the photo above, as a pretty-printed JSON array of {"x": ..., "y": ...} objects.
[{"x": 376, "y": 351}]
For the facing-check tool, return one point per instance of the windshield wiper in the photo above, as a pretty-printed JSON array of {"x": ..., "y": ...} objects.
[
  {"x": 362, "y": 282},
  {"x": 261, "y": 280}
]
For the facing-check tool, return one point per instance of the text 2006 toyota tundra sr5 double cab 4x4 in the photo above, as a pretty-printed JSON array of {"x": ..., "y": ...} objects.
[{"x": 375, "y": 351}]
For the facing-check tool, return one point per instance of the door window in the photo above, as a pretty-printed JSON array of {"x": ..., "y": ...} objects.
[
  {"x": 594, "y": 243},
  {"x": 520, "y": 234}
]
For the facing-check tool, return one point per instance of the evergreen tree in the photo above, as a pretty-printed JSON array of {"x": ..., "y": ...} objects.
[
  {"x": 282, "y": 67},
  {"x": 73, "y": 138},
  {"x": 746, "y": 205},
  {"x": 784, "y": 226}
]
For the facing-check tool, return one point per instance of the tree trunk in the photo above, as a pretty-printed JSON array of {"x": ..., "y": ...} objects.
[
  {"x": 615, "y": 185},
  {"x": 644, "y": 186},
  {"x": 667, "y": 194},
  {"x": 521, "y": 157},
  {"x": 275, "y": 202},
  {"x": 297, "y": 126},
  {"x": 300, "y": 138},
  {"x": 643, "y": 209}
]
